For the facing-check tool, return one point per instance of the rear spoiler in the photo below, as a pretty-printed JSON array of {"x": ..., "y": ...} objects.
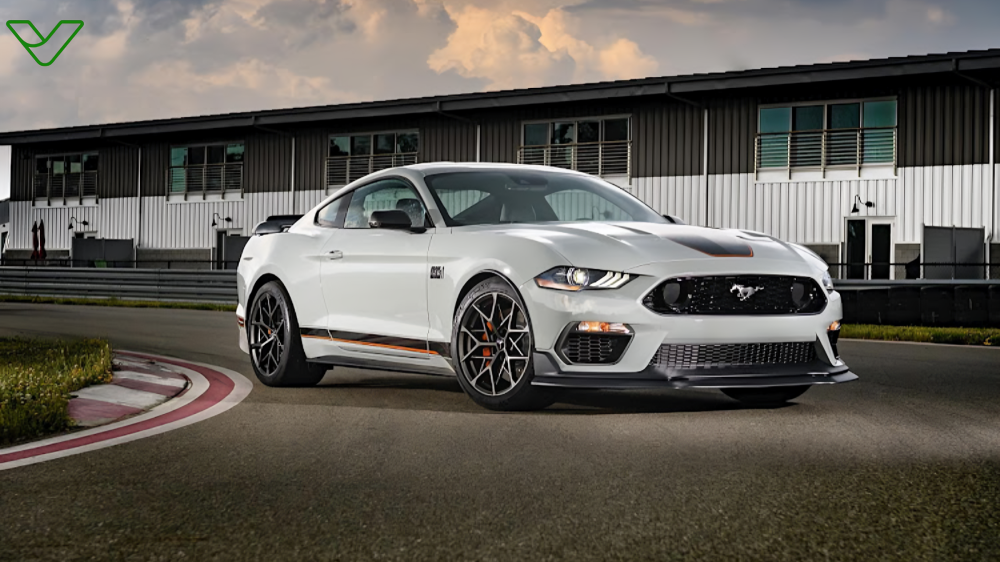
[{"x": 275, "y": 224}]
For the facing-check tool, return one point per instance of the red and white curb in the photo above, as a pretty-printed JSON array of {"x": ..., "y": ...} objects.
[
  {"x": 212, "y": 391},
  {"x": 138, "y": 385}
]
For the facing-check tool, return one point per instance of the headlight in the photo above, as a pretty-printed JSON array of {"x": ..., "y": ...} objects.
[
  {"x": 827, "y": 281},
  {"x": 578, "y": 279}
]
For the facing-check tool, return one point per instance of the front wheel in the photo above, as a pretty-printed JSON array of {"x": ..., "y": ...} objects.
[
  {"x": 491, "y": 346},
  {"x": 774, "y": 396},
  {"x": 275, "y": 344}
]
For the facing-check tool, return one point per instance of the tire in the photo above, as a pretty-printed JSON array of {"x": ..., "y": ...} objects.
[
  {"x": 492, "y": 322},
  {"x": 774, "y": 396},
  {"x": 275, "y": 344}
]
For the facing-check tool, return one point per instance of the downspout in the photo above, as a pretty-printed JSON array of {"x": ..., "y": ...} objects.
[
  {"x": 293, "y": 175},
  {"x": 704, "y": 165},
  {"x": 993, "y": 183},
  {"x": 138, "y": 230},
  {"x": 479, "y": 149}
]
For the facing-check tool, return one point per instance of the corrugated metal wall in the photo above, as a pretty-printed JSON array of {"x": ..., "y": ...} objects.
[
  {"x": 114, "y": 218},
  {"x": 732, "y": 126},
  {"x": 21, "y": 168},
  {"x": 118, "y": 172},
  {"x": 667, "y": 140},
  {"x": 443, "y": 139},
  {"x": 813, "y": 212},
  {"x": 267, "y": 163},
  {"x": 943, "y": 125},
  {"x": 311, "y": 149},
  {"x": 155, "y": 163}
]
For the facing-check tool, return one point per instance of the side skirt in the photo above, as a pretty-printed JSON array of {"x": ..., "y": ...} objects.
[{"x": 376, "y": 365}]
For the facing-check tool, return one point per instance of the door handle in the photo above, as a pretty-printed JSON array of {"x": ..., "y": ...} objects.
[{"x": 335, "y": 255}]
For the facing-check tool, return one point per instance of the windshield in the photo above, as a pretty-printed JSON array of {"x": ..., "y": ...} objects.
[{"x": 518, "y": 196}]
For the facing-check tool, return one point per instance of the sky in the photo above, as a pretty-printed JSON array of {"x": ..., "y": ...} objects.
[{"x": 148, "y": 59}]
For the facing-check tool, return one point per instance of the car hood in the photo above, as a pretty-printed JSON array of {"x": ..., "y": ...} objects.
[{"x": 622, "y": 246}]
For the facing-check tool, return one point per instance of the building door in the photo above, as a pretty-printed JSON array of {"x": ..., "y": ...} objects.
[{"x": 869, "y": 248}]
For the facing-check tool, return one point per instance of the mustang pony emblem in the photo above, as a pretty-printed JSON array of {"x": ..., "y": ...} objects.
[{"x": 745, "y": 292}]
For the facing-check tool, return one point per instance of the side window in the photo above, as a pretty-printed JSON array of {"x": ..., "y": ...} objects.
[
  {"x": 576, "y": 204},
  {"x": 327, "y": 216},
  {"x": 385, "y": 195}
]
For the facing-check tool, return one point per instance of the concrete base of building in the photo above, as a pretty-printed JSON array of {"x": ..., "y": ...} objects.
[
  {"x": 26, "y": 255},
  {"x": 160, "y": 258},
  {"x": 994, "y": 261}
]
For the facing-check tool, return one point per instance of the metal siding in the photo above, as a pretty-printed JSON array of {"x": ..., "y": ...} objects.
[
  {"x": 112, "y": 218},
  {"x": 666, "y": 140},
  {"x": 310, "y": 159},
  {"x": 155, "y": 163},
  {"x": 117, "y": 172},
  {"x": 732, "y": 128},
  {"x": 445, "y": 139},
  {"x": 267, "y": 163},
  {"x": 943, "y": 125},
  {"x": 21, "y": 170}
]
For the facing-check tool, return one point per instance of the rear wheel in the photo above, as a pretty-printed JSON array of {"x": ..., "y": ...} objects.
[
  {"x": 774, "y": 396},
  {"x": 275, "y": 344},
  {"x": 491, "y": 347}
]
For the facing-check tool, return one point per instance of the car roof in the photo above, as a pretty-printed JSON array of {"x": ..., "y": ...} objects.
[{"x": 430, "y": 168}]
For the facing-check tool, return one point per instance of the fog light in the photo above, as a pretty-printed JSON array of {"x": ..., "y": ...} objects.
[{"x": 603, "y": 328}]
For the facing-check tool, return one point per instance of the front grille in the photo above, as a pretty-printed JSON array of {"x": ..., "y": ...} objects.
[
  {"x": 733, "y": 355},
  {"x": 721, "y": 295},
  {"x": 594, "y": 348}
]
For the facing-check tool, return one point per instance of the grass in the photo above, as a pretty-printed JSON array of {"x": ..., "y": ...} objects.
[
  {"x": 956, "y": 336},
  {"x": 113, "y": 301},
  {"x": 37, "y": 377}
]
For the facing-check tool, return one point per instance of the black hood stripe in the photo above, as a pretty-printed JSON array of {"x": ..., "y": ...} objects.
[{"x": 719, "y": 247}]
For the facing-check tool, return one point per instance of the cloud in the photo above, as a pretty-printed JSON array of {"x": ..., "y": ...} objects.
[
  {"x": 145, "y": 59},
  {"x": 522, "y": 50}
]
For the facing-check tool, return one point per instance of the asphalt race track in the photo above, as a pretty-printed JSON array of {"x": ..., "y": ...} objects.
[{"x": 901, "y": 465}]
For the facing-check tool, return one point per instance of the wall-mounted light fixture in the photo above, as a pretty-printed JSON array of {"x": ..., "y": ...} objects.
[
  {"x": 857, "y": 199},
  {"x": 215, "y": 223},
  {"x": 73, "y": 221}
]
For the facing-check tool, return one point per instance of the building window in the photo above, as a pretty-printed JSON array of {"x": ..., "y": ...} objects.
[
  {"x": 352, "y": 157},
  {"x": 203, "y": 169},
  {"x": 66, "y": 176},
  {"x": 598, "y": 146},
  {"x": 827, "y": 136}
]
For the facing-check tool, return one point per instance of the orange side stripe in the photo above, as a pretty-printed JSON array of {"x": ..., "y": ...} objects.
[{"x": 375, "y": 344}]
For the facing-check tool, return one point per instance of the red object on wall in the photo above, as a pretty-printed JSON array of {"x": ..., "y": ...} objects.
[
  {"x": 34, "y": 241},
  {"x": 41, "y": 240}
]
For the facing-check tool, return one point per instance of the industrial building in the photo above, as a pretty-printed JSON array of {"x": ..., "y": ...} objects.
[{"x": 869, "y": 163}]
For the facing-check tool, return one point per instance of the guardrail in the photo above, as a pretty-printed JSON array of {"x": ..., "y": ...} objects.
[
  {"x": 921, "y": 302},
  {"x": 126, "y": 284}
]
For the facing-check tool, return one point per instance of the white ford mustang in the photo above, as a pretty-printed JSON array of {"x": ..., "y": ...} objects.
[{"x": 521, "y": 280}]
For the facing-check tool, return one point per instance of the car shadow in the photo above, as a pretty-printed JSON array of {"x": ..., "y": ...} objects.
[{"x": 380, "y": 389}]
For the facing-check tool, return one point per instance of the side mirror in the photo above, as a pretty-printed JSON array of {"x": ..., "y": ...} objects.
[
  {"x": 395, "y": 220},
  {"x": 269, "y": 227},
  {"x": 673, "y": 219}
]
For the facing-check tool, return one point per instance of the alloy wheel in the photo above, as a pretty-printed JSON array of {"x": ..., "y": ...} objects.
[
  {"x": 267, "y": 324},
  {"x": 494, "y": 344}
]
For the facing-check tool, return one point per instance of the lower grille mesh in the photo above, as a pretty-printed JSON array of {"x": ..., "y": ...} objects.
[
  {"x": 594, "y": 348},
  {"x": 733, "y": 355}
]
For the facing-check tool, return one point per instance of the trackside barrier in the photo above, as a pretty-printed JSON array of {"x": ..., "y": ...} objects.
[
  {"x": 126, "y": 284},
  {"x": 921, "y": 302}
]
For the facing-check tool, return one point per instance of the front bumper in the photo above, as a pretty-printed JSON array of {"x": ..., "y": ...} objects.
[
  {"x": 548, "y": 373},
  {"x": 551, "y": 312}
]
